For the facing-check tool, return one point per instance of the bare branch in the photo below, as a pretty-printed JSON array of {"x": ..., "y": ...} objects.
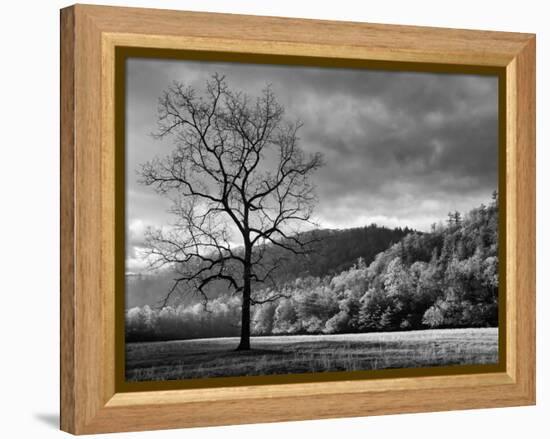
[{"x": 230, "y": 203}]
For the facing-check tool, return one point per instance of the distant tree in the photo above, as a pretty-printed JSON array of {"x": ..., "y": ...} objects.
[
  {"x": 374, "y": 313},
  {"x": 236, "y": 173},
  {"x": 450, "y": 219},
  {"x": 386, "y": 319},
  {"x": 433, "y": 317},
  {"x": 285, "y": 320},
  {"x": 263, "y": 319},
  {"x": 457, "y": 218}
]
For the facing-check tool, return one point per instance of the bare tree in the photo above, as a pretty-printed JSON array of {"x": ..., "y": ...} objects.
[{"x": 239, "y": 183}]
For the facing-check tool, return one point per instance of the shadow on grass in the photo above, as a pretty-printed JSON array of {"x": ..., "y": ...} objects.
[
  {"x": 252, "y": 352},
  {"x": 233, "y": 354}
]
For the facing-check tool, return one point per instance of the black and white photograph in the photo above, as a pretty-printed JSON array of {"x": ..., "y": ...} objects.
[{"x": 285, "y": 219}]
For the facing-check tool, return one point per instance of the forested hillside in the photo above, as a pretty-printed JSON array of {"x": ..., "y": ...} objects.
[
  {"x": 445, "y": 278},
  {"x": 331, "y": 252}
]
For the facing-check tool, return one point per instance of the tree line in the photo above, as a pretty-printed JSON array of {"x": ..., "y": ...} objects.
[
  {"x": 445, "y": 278},
  {"x": 333, "y": 252}
]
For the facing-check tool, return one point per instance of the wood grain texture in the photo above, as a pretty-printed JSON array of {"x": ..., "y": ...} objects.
[
  {"x": 67, "y": 253},
  {"x": 90, "y": 34},
  {"x": 331, "y": 38},
  {"x": 512, "y": 213},
  {"x": 525, "y": 221},
  {"x": 320, "y": 406}
]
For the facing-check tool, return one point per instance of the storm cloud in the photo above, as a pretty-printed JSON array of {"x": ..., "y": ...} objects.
[{"x": 401, "y": 148}]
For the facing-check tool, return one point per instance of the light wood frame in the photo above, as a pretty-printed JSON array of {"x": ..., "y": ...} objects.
[{"x": 89, "y": 36}]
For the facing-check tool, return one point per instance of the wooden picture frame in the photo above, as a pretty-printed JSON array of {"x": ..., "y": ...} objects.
[{"x": 91, "y": 402}]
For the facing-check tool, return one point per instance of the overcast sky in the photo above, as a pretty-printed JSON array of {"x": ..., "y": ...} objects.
[{"x": 401, "y": 149}]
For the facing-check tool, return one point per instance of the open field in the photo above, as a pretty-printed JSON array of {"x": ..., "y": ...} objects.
[{"x": 216, "y": 357}]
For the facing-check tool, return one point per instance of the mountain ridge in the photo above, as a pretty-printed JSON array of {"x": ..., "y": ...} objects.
[{"x": 336, "y": 250}]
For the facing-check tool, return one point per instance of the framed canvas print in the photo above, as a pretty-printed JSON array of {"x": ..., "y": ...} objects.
[{"x": 269, "y": 219}]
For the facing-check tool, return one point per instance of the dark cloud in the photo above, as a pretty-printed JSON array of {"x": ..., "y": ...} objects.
[{"x": 401, "y": 148}]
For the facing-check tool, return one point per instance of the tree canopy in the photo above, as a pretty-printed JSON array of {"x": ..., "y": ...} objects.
[{"x": 238, "y": 180}]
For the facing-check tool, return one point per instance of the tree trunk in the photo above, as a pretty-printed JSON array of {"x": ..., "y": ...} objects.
[{"x": 244, "y": 345}]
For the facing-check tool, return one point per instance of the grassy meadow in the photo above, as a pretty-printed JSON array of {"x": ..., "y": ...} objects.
[{"x": 216, "y": 357}]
